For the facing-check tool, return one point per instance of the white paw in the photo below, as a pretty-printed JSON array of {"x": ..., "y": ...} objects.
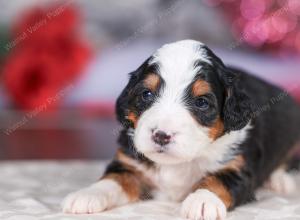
[
  {"x": 99, "y": 197},
  {"x": 281, "y": 182},
  {"x": 203, "y": 205}
]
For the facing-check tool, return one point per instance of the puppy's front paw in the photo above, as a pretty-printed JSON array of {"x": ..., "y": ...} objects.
[
  {"x": 203, "y": 205},
  {"x": 85, "y": 201},
  {"x": 96, "y": 198}
]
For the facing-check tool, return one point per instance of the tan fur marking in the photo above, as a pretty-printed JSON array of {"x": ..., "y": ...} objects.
[
  {"x": 133, "y": 118},
  {"x": 132, "y": 183},
  {"x": 125, "y": 159},
  {"x": 236, "y": 164},
  {"x": 152, "y": 82},
  {"x": 217, "y": 129},
  {"x": 200, "y": 88},
  {"x": 129, "y": 183},
  {"x": 122, "y": 157},
  {"x": 214, "y": 185}
]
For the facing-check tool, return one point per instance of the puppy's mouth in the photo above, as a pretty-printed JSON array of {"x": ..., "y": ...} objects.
[
  {"x": 163, "y": 157},
  {"x": 163, "y": 149},
  {"x": 160, "y": 151}
]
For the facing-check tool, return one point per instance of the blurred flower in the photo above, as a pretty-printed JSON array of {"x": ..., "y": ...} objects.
[
  {"x": 264, "y": 24},
  {"x": 50, "y": 57},
  {"x": 50, "y": 24}
]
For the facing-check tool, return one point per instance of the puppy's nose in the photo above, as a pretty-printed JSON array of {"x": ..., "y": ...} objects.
[{"x": 161, "y": 138}]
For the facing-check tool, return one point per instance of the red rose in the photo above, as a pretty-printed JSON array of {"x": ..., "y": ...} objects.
[
  {"x": 46, "y": 24},
  {"x": 47, "y": 61}
]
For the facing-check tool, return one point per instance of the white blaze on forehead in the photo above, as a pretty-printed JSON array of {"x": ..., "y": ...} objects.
[
  {"x": 176, "y": 65},
  {"x": 176, "y": 62}
]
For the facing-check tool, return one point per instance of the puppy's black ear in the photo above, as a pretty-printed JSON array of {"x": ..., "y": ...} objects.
[{"x": 238, "y": 107}]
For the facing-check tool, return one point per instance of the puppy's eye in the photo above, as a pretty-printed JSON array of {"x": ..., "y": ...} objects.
[
  {"x": 147, "y": 96},
  {"x": 202, "y": 103}
]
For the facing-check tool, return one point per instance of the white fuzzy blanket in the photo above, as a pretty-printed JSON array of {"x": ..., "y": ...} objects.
[{"x": 34, "y": 190}]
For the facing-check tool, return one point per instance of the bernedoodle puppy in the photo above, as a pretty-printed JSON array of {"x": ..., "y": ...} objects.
[{"x": 196, "y": 132}]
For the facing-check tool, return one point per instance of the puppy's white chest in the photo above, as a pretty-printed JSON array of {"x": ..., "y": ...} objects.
[{"x": 174, "y": 183}]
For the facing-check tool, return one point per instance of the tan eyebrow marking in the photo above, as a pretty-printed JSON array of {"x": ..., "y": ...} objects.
[
  {"x": 152, "y": 82},
  {"x": 200, "y": 87}
]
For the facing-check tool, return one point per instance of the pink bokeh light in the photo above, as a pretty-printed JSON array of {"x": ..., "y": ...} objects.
[{"x": 269, "y": 25}]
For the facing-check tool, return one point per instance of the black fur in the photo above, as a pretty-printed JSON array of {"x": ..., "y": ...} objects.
[
  {"x": 127, "y": 147},
  {"x": 276, "y": 127},
  {"x": 116, "y": 167}
]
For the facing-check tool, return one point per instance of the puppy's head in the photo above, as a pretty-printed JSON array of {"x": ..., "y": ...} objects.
[{"x": 180, "y": 101}]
